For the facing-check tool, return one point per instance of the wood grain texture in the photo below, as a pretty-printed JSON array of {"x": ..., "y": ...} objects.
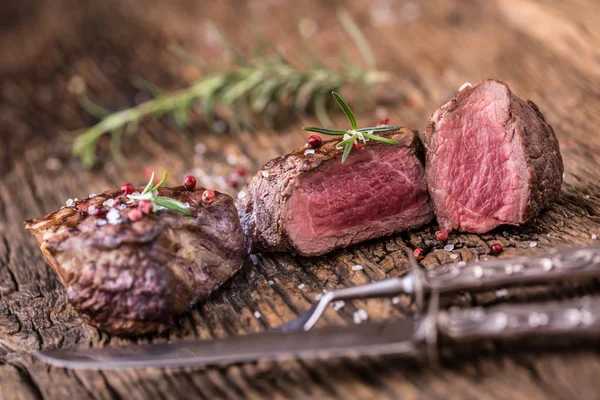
[{"x": 547, "y": 51}]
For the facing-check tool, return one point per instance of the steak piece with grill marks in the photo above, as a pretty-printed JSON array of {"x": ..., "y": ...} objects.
[
  {"x": 492, "y": 159},
  {"x": 134, "y": 277},
  {"x": 311, "y": 203}
]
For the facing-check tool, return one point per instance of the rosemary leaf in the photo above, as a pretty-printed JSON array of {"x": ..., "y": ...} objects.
[
  {"x": 380, "y": 139},
  {"x": 355, "y": 134},
  {"x": 347, "y": 151},
  {"x": 171, "y": 204},
  {"x": 149, "y": 185},
  {"x": 325, "y": 131},
  {"x": 346, "y": 109},
  {"x": 379, "y": 129},
  {"x": 350, "y": 140}
]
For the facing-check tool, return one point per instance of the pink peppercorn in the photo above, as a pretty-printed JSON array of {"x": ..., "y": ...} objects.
[
  {"x": 126, "y": 189},
  {"x": 233, "y": 181},
  {"x": 189, "y": 182},
  {"x": 100, "y": 212},
  {"x": 240, "y": 171},
  {"x": 208, "y": 196},
  {"x": 135, "y": 214},
  {"x": 315, "y": 141},
  {"x": 441, "y": 235},
  {"x": 357, "y": 146},
  {"x": 384, "y": 122},
  {"x": 419, "y": 253},
  {"x": 145, "y": 206},
  {"x": 496, "y": 248}
]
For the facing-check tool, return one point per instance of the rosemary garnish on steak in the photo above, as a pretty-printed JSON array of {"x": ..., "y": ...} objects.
[
  {"x": 351, "y": 137},
  {"x": 149, "y": 194}
]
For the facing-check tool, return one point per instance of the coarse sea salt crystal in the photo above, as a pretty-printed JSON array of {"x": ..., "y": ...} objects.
[
  {"x": 453, "y": 256},
  {"x": 92, "y": 195},
  {"x": 449, "y": 247},
  {"x": 363, "y": 314},
  {"x": 109, "y": 203},
  {"x": 113, "y": 216},
  {"x": 338, "y": 305},
  {"x": 464, "y": 86},
  {"x": 265, "y": 174},
  {"x": 594, "y": 236},
  {"x": 532, "y": 244},
  {"x": 301, "y": 286},
  {"x": 256, "y": 314},
  {"x": 356, "y": 318},
  {"x": 69, "y": 203},
  {"x": 232, "y": 159},
  {"x": 241, "y": 195},
  {"x": 200, "y": 148},
  {"x": 357, "y": 267},
  {"x": 461, "y": 263},
  {"x": 310, "y": 151},
  {"x": 91, "y": 209},
  {"x": 186, "y": 205},
  {"x": 271, "y": 282},
  {"x": 501, "y": 292},
  {"x": 122, "y": 206},
  {"x": 395, "y": 300},
  {"x": 101, "y": 222}
]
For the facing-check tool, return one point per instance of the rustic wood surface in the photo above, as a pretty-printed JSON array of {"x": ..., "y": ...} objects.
[{"x": 547, "y": 51}]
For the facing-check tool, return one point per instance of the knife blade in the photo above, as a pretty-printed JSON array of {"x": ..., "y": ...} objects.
[
  {"x": 395, "y": 338},
  {"x": 410, "y": 337}
]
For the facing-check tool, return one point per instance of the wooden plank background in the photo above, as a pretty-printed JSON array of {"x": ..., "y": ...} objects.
[{"x": 547, "y": 51}]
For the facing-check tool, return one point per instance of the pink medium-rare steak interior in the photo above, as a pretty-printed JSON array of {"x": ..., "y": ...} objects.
[
  {"x": 477, "y": 170},
  {"x": 374, "y": 193},
  {"x": 481, "y": 172}
]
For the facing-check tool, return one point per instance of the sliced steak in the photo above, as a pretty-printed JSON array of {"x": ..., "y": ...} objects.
[
  {"x": 492, "y": 159},
  {"x": 133, "y": 277},
  {"x": 312, "y": 203}
]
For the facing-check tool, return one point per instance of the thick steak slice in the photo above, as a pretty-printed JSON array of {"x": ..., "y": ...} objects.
[
  {"x": 133, "y": 277},
  {"x": 492, "y": 159},
  {"x": 312, "y": 203}
]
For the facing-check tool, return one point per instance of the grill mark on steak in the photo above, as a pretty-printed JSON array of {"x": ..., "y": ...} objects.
[
  {"x": 492, "y": 159},
  {"x": 312, "y": 203},
  {"x": 134, "y": 277}
]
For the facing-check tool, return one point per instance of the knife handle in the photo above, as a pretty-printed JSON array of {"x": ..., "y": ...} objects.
[
  {"x": 580, "y": 263},
  {"x": 574, "y": 318}
]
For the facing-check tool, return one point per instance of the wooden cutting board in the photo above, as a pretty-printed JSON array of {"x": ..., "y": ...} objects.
[{"x": 547, "y": 51}]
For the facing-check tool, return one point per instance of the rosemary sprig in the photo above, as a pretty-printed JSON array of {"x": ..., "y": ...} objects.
[
  {"x": 353, "y": 134},
  {"x": 262, "y": 84},
  {"x": 149, "y": 193}
]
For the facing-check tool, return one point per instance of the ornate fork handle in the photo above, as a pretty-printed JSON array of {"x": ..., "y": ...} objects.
[
  {"x": 579, "y": 263},
  {"x": 573, "y": 318}
]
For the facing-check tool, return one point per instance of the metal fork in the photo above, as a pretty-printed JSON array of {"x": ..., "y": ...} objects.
[{"x": 570, "y": 264}]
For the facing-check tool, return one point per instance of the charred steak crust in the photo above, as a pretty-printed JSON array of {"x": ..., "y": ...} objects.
[
  {"x": 133, "y": 277},
  {"x": 537, "y": 143},
  {"x": 263, "y": 200}
]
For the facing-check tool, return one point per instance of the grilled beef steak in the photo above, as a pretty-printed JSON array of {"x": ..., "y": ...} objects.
[
  {"x": 309, "y": 202},
  {"x": 133, "y": 277},
  {"x": 492, "y": 159}
]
